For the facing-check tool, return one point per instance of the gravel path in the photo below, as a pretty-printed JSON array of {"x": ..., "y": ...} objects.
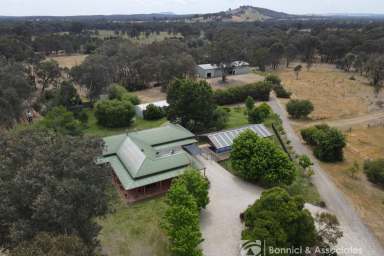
[
  {"x": 220, "y": 222},
  {"x": 356, "y": 234}
]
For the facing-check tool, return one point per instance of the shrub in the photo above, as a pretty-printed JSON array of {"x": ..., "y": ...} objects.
[
  {"x": 62, "y": 121},
  {"x": 279, "y": 220},
  {"x": 299, "y": 108},
  {"x": 132, "y": 98},
  {"x": 258, "y": 91},
  {"x": 197, "y": 185},
  {"x": 114, "y": 113},
  {"x": 281, "y": 92},
  {"x": 118, "y": 92},
  {"x": 374, "y": 169},
  {"x": 249, "y": 103},
  {"x": 328, "y": 142},
  {"x": 153, "y": 112},
  {"x": 220, "y": 118},
  {"x": 82, "y": 116},
  {"x": 261, "y": 160},
  {"x": 259, "y": 114},
  {"x": 273, "y": 79}
]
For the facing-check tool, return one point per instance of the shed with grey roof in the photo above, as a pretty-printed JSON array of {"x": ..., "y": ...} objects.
[
  {"x": 221, "y": 142},
  {"x": 208, "y": 71}
]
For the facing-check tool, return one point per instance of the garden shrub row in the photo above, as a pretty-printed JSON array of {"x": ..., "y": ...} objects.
[
  {"x": 277, "y": 87},
  {"x": 186, "y": 197},
  {"x": 258, "y": 91}
]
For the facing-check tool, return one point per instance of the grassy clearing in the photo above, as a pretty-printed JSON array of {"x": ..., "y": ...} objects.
[
  {"x": 134, "y": 230},
  {"x": 141, "y": 39},
  {"x": 332, "y": 92},
  {"x": 95, "y": 129},
  {"x": 237, "y": 117},
  {"x": 367, "y": 198},
  {"x": 69, "y": 61}
]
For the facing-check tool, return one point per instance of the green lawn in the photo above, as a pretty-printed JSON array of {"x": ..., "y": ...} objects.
[
  {"x": 237, "y": 117},
  {"x": 134, "y": 230},
  {"x": 139, "y": 124}
]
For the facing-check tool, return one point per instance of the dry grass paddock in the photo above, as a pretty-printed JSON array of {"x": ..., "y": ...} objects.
[
  {"x": 333, "y": 93},
  {"x": 367, "y": 198},
  {"x": 69, "y": 61}
]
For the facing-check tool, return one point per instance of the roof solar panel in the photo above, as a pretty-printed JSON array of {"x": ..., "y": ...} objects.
[{"x": 225, "y": 138}]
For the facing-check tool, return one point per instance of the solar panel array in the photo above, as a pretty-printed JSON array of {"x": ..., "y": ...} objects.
[{"x": 225, "y": 138}]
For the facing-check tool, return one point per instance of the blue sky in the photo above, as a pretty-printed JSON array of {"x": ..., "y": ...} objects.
[{"x": 85, "y": 7}]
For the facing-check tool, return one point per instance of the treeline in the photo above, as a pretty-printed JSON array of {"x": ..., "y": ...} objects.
[
  {"x": 352, "y": 45},
  {"x": 133, "y": 66}
]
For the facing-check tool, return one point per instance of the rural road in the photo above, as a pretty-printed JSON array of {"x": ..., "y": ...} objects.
[
  {"x": 349, "y": 122},
  {"x": 356, "y": 234}
]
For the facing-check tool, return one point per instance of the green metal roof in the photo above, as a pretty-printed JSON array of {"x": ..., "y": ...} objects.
[
  {"x": 163, "y": 135},
  {"x": 137, "y": 162}
]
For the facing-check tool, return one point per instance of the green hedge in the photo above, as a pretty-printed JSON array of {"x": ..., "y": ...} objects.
[
  {"x": 154, "y": 112},
  {"x": 258, "y": 91},
  {"x": 281, "y": 92},
  {"x": 114, "y": 113}
]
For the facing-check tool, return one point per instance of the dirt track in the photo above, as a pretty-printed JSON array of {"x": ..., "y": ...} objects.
[
  {"x": 364, "y": 120},
  {"x": 356, "y": 234}
]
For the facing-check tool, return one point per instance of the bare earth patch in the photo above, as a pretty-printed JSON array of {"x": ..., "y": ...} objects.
[
  {"x": 151, "y": 95},
  {"x": 69, "y": 61},
  {"x": 368, "y": 199},
  {"x": 233, "y": 81},
  {"x": 332, "y": 92}
]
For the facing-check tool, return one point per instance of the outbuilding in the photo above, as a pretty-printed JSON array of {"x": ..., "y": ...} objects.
[
  {"x": 139, "y": 109},
  {"x": 221, "y": 142},
  {"x": 207, "y": 71}
]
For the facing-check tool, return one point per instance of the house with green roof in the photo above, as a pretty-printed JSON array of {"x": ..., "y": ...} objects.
[{"x": 145, "y": 162}]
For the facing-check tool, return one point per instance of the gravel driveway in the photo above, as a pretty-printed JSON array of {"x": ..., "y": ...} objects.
[
  {"x": 356, "y": 234},
  {"x": 220, "y": 222}
]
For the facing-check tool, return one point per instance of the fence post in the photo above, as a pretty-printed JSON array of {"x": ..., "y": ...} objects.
[{"x": 281, "y": 141}]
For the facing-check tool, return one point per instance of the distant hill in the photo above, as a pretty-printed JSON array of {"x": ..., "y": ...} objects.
[{"x": 244, "y": 14}]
